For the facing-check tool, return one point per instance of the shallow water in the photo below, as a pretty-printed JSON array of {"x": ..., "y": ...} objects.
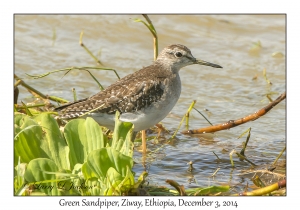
[{"x": 228, "y": 93}]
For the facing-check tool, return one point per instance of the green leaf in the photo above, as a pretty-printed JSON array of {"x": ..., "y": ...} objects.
[
  {"x": 39, "y": 137},
  {"x": 41, "y": 181},
  {"x": 26, "y": 109},
  {"x": 122, "y": 137},
  {"x": 27, "y": 139},
  {"x": 126, "y": 183},
  {"x": 77, "y": 169},
  {"x": 93, "y": 187},
  {"x": 19, "y": 177},
  {"x": 116, "y": 184},
  {"x": 151, "y": 28},
  {"x": 83, "y": 136},
  {"x": 53, "y": 142},
  {"x": 112, "y": 182},
  {"x": 100, "y": 160},
  {"x": 212, "y": 190},
  {"x": 21, "y": 190}
]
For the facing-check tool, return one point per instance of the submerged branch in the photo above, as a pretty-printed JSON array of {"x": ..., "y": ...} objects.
[
  {"x": 179, "y": 188},
  {"x": 233, "y": 123},
  {"x": 266, "y": 190}
]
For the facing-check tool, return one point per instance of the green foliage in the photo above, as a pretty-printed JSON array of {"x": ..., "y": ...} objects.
[
  {"x": 111, "y": 168},
  {"x": 83, "y": 136},
  {"x": 39, "y": 137},
  {"x": 101, "y": 160},
  {"x": 35, "y": 175},
  {"x": 27, "y": 139},
  {"x": 77, "y": 161},
  {"x": 122, "y": 137},
  {"x": 19, "y": 178},
  {"x": 53, "y": 142},
  {"x": 210, "y": 190}
]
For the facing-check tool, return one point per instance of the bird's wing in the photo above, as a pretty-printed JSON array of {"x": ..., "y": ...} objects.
[
  {"x": 69, "y": 104},
  {"x": 122, "y": 96}
]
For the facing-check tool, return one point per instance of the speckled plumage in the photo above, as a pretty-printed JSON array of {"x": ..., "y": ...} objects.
[{"x": 143, "y": 98}]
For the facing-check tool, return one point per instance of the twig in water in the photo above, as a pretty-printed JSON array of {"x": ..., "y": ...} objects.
[
  {"x": 74, "y": 94},
  {"x": 215, "y": 172},
  {"x": 282, "y": 151},
  {"x": 234, "y": 123},
  {"x": 88, "y": 51},
  {"x": 189, "y": 110},
  {"x": 203, "y": 116},
  {"x": 245, "y": 144},
  {"x": 216, "y": 155}
]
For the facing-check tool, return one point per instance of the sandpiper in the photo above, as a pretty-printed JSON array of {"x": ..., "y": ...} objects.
[{"x": 143, "y": 98}]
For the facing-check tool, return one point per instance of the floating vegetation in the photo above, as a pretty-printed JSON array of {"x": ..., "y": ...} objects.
[
  {"x": 255, "y": 48},
  {"x": 277, "y": 55}
]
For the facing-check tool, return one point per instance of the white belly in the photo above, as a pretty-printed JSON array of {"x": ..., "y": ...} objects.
[{"x": 149, "y": 116}]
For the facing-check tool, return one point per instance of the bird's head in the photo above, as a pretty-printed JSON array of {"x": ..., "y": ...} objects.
[{"x": 178, "y": 56}]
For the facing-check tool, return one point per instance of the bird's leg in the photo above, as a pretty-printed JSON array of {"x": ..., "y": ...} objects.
[{"x": 144, "y": 145}]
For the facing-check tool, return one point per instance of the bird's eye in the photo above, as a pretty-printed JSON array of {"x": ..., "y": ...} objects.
[{"x": 178, "y": 54}]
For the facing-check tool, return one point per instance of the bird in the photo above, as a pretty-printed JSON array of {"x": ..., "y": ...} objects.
[{"x": 143, "y": 98}]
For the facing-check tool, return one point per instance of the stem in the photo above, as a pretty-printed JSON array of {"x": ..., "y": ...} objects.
[
  {"x": 279, "y": 155},
  {"x": 188, "y": 111},
  {"x": 244, "y": 158},
  {"x": 74, "y": 94},
  {"x": 203, "y": 116},
  {"x": 216, "y": 155},
  {"x": 87, "y": 49},
  {"x": 28, "y": 87},
  {"x": 153, "y": 31}
]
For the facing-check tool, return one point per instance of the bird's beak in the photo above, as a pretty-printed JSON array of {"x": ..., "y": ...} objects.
[{"x": 205, "y": 63}]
